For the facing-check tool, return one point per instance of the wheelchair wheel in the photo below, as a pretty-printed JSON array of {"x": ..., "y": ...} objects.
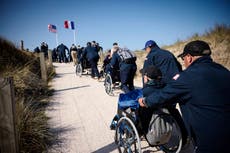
[
  {"x": 79, "y": 70},
  {"x": 108, "y": 84},
  {"x": 127, "y": 137},
  {"x": 175, "y": 143}
]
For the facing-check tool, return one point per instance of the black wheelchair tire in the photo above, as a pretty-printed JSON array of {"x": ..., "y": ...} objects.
[
  {"x": 127, "y": 137},
  {"x": 108, "y": 83},
  {"x": 79, "y": 70}
]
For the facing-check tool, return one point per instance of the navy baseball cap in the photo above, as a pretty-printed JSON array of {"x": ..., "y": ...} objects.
[
  {"x": 196, "y": 48},
  {"x": 149, "y": 43}
]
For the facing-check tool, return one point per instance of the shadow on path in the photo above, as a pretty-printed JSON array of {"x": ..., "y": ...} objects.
[
  {"x": 57, "y": 142},
  {"x": 108, "y": 148},
  {"x": 73, "y": 88},
  {"x": 59, "y": 75}
]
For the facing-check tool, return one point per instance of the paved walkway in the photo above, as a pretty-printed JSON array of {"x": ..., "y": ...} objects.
[
  {"x": 84, "y": 111},
  {"x": 81, "y": 113}
]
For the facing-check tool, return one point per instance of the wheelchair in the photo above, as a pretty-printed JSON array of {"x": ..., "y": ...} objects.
[
  {"x": 128, "y": 134},
  {"x": 102, "y": 72},
  {"x": 81, "y": 66},
  {"x": 112, "y": 81}
]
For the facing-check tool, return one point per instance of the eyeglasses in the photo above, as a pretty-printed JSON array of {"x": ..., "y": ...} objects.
[{"x": 182, "y": 57}]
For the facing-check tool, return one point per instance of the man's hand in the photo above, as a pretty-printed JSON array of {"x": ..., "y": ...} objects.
[{"x": 141, "y": 102}]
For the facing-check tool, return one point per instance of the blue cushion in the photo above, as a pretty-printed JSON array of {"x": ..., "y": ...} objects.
[{"x": 130, "y": 99}]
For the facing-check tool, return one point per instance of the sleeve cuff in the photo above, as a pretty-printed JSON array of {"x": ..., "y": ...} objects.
[{"x": 144, "y": 101}]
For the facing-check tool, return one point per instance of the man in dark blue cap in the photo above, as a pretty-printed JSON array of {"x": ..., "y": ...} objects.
[
  {"x": 169, "y": 67},
  {"x": 202, "y": 91},
  {"x": 162, "y": 59}
]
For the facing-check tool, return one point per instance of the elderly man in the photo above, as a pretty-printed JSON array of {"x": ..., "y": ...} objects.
[{"x": 202, "y": 91}]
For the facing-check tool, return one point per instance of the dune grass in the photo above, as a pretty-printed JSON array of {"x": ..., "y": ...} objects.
[
  {"x": 31, "y": 97},
  {"x": 218, "y": 38}
]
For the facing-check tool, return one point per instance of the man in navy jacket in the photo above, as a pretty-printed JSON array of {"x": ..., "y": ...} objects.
[
  {"x": 162, "y": 59},
  {"x": 92, "y": 56},
  {"x": 61, "y": 49},
  {"x": 202, "y": 91}
]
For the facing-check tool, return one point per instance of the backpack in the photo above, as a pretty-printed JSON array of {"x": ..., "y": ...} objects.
[
  {"x": 126, "y": 55},
  {"x": 160, "y": 127}
]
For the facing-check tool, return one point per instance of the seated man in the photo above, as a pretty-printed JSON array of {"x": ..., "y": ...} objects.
[
  {"x": 112, "y": 69},
  {"x": 106, "y": 61},
  {"x": 152, "y": 79}
]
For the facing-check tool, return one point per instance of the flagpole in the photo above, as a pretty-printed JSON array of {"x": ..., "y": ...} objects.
[
  {"x": 56, "y": 39},
  {"x": 74, "y": 37}
]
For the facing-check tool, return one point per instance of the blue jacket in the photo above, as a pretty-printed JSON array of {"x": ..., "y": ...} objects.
[
  {"x": 61, "y": 49},
  {"x": 90, "y": 53},
  {"x": 165, "y": 61},
  {"x": 203, "y": 93}
]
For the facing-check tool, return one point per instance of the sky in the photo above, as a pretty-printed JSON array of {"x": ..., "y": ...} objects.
[{"x": 130, "y": 23}]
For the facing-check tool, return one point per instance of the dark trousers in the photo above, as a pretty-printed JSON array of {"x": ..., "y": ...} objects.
[
  {"x": 127, "y": 76},
  {"x": 93, "y": 64},
  {"x": 62, "y": 57}
]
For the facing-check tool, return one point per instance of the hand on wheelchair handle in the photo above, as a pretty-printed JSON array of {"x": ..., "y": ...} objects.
[{"x": 141, "y": 102}]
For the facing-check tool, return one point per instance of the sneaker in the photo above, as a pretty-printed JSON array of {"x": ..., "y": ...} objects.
[
  {"x": 113, "y": 125},
  {"x": 99, "y": 78}
]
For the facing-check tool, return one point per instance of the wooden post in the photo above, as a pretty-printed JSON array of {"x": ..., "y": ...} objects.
[
  {"x": 22, "y": 45},
  {"x": 50, "y": 58},
  {"x": 43, "y": 67},
  {"x": 8, "y": 132}
]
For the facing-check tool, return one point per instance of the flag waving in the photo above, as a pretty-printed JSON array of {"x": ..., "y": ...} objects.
[
  {"x": 69, "y": 24},
  {"x": 52, "y": 28}
]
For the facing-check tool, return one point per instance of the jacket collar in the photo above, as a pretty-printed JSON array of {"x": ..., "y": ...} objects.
[{"x": 203, "y": 59}]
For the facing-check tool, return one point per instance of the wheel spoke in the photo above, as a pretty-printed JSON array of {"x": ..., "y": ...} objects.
[{"x": 127, "y": 136}]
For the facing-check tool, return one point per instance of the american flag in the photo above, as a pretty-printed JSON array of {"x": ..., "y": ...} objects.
[{"x": 52, "y": 28}]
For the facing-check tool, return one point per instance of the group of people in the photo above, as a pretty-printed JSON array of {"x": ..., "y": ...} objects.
[
  {"x": 63, "y": 54},
  {"x": 119, "y": 61},
  {"x": 201, "y": 90},
  {"x": 43, "y": 48}
]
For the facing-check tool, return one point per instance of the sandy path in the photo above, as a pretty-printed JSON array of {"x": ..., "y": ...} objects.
[{"x": 81, "y": 113}]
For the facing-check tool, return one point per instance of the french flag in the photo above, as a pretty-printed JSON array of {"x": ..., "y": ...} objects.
[{"x": 69, "y": 24}]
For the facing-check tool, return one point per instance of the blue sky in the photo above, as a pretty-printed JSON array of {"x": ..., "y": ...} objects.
[{"x": 129, "y": 22}]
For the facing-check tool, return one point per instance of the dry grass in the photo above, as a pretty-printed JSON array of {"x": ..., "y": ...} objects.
[
  {"x": 218, "y": 39},
  {"x": 31, "y": 97}
]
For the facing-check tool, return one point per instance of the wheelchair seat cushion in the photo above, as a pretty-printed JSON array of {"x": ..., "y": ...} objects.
[{"x": 130, "y": 99}]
